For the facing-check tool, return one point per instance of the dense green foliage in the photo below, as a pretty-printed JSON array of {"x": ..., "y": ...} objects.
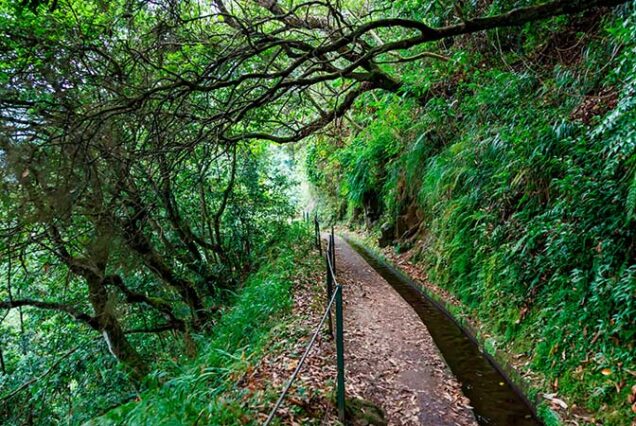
[
  {"x": 521, "y": 173},
  {"x": 123, "y": 235},
  {"x": 205, "y": 388},
  {"x": 77, "y": 376},
  {"x": 182, "y": 388},
  {"x": 140, "y": 187}
]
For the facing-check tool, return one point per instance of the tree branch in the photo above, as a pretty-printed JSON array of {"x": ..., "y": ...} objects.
[
  {"x": 136, "y": 297},
  {"x": 78, "y": 315},
  {"x": 315, "y": 125}
]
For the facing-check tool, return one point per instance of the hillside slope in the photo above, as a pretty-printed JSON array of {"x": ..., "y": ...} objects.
[{"x": 515, "y": 189}]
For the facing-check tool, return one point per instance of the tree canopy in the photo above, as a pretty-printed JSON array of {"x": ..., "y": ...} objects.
[{"x": 138, "y": 182}]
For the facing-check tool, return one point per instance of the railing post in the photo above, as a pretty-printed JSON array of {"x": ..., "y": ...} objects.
[
  {"x": 340, "y": 356},
  {"x": 333, "y": 250},
  {"x": 330, "y": 261},
  {"x": 317, "y": 229},
  {"x": 329, "y": 292}
]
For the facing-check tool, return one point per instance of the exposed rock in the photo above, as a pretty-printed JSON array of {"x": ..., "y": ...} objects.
[
  {"x": 342, "y": 209},
  {"x": 372, "y": 207},
  {"x": 387, "y": 234},
  {"x": 408, "y": 223}
]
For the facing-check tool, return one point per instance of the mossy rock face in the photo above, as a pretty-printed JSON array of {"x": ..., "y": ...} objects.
[{"x": 364, "y": 413}]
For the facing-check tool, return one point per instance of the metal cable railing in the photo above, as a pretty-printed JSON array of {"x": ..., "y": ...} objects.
[{"x": 334, "y": 296}]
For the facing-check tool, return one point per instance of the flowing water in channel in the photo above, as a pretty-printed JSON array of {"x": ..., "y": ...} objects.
[{"x": 494, "y": 400}]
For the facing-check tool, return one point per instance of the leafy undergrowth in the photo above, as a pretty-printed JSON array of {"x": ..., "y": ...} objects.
[
  {"x": 515, "y": 189},
  {"x": 218, "y": 386},
  {"x": 310, "y": 398}
]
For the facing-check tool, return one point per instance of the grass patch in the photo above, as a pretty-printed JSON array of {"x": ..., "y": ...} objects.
[{"x": 203, "y": 390}]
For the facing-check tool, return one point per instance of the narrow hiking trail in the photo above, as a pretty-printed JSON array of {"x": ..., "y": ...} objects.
[{"x": 390, "y": 356}]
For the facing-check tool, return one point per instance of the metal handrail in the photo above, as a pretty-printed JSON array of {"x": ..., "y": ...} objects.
[
  {"x": 331, "y": 270},
  {"x": 336, "y": 298},
  {"x": 300, "y": 363},
  {"x": 340, "y": 388}
]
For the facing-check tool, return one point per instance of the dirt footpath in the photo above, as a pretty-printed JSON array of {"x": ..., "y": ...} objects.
[{"x": 390, "y": 357}]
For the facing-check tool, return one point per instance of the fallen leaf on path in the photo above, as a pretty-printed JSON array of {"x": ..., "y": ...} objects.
[{"x": 556, "y": 401}]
